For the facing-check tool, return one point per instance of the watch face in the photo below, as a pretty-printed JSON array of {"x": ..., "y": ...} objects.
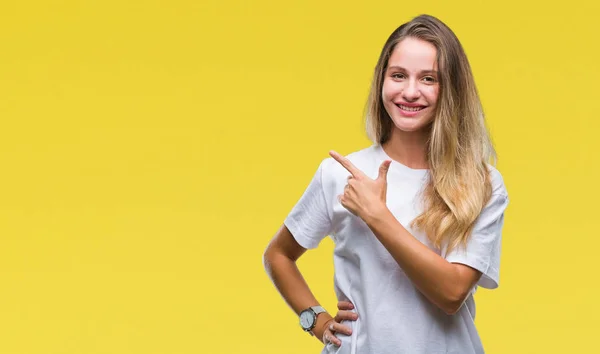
[{"x": 306, "y": 319}]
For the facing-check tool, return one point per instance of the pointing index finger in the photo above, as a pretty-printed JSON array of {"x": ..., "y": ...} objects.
[{"x": 355, "y": 172}]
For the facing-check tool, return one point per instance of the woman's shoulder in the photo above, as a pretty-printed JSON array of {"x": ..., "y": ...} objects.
[
  {"x": 363, "y": 160},
  {"x": 498, "y": 185}
]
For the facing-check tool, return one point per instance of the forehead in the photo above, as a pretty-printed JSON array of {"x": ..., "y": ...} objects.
[{"x": 414, "y": 54}]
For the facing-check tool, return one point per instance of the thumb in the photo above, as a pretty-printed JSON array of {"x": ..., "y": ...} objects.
[{"x": 383, "y": 170}]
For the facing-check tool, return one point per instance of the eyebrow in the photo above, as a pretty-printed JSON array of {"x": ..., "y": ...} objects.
[{"x": 401, "y": 68}]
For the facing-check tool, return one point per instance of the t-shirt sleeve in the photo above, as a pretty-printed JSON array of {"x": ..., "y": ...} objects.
[
  {"x": 483, "y": 248},
  {"x": 309, "y": 220}
]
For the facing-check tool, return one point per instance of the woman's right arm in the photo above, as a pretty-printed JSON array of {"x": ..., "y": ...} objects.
[{"x": 279, "y": 261}]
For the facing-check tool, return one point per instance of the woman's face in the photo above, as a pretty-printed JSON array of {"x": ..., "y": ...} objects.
[{"x": 410, "y": 87}]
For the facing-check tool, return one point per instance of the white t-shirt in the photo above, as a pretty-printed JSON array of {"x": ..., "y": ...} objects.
[{"x": 394, "y": 317}]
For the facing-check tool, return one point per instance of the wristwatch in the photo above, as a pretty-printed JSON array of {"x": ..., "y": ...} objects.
[{"x": 308, "y": 318}]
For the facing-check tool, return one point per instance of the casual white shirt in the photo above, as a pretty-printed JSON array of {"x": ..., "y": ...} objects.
[{"x": 394, "y": 317}]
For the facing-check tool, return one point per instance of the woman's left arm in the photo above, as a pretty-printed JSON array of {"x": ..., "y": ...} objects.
[{"x": 445, "y": 284}]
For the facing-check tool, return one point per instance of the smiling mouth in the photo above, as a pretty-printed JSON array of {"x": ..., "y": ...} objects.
[{"x": 410, "y": 109}]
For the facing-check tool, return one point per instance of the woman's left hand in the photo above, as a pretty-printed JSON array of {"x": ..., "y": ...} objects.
[{"x": 363, "y": 196}]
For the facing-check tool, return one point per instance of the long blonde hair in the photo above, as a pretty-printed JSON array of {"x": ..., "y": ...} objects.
[{"x": 459, "y": 146}]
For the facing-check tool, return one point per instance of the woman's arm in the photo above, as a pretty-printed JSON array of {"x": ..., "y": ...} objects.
[
  {"x": 279, "y": 261},
  {"x": 445, "y": 284}
]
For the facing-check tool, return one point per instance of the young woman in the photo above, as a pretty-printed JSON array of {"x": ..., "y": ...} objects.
[{"x": 416, "y": 218}]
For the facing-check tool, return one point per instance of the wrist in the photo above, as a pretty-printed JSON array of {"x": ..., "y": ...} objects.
[
  {"x": 322, "y": 320},
  {"x": 376, "y": 215}
]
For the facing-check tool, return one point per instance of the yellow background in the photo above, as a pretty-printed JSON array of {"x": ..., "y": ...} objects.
[{"x": 150, "y": 149}]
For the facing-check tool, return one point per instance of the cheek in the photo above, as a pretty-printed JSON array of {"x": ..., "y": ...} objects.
[
  {"x": 432, "y": 94},
  {"x": 385, "y": 92},
  {"x": 389, "y": 90}
]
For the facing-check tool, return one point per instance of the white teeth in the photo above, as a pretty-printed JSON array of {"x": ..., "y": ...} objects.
[{"x": 410, "y": 109}]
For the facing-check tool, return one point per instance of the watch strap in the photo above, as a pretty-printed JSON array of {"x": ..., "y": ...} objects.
[{"x": 318, "y": 309}]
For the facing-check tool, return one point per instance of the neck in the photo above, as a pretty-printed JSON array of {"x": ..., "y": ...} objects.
[{"x": 408, "y": 148}]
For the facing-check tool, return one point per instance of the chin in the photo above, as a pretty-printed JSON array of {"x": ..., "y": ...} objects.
[{"x": 410, "y": 125}]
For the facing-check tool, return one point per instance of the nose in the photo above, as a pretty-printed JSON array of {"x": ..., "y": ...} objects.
[{"x": 411, "y": 91}]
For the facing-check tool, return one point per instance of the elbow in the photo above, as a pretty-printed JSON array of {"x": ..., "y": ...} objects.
[
  {"x": 270, "y": 259},
  {"x": 266, "y": 259},
  {"x": 451, "y": 307},
  {"x": 452, "y": 303}
]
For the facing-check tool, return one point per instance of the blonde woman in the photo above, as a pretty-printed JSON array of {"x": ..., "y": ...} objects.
[{"x": 416, "y": 218}]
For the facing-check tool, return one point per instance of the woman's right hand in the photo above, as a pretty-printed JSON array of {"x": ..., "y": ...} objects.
[{"x": 334, "y": 325}]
